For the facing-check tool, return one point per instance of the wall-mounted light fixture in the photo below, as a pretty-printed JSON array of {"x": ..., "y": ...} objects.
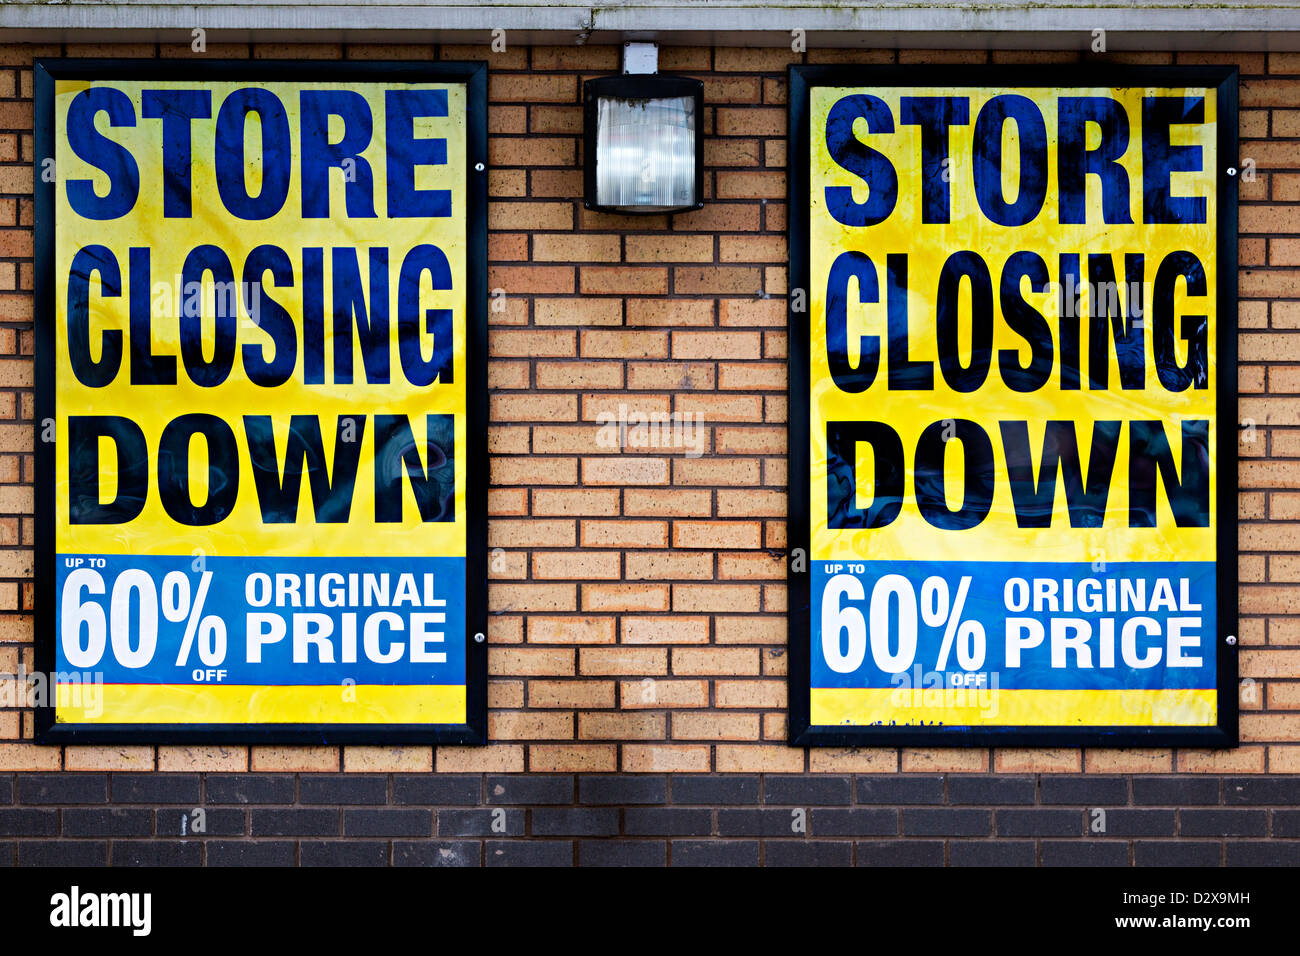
[{"x": 642, "y": 149}]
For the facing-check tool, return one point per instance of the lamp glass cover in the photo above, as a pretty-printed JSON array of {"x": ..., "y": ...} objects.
[{"x": 645, "y": 152}]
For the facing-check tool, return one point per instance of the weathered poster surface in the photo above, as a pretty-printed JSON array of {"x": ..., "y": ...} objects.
[
  {"x": 1015, "y": 406},
  {"x": 259, "y": 370}
]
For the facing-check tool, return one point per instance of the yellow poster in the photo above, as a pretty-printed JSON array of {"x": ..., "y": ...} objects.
[
  {"x": 260, "y": 447},
  {"x": 1013, "y": 428}
]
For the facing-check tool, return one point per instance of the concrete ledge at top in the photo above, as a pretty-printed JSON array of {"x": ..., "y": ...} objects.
[{"x": 1009, "y": 24}]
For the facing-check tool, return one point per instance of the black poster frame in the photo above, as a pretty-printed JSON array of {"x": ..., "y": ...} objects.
[
  {"x": 1223, "y": 82},
  {"x": 473, "y": 75}
]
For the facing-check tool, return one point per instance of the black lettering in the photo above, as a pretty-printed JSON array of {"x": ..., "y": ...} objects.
[
  {"x": 85, "y": 469},
  {"x": 278, "y": 489},
  {"x": 434, "y": 486},
  {"x": 964, "y": 265},
  {"x": 841, "y": 474},
  {"x": 1034, "y": 499},
  {"x": 1189, "y": 497},
  {"x": 978, "y": 479},
  {"x": 174, "y": 470}
]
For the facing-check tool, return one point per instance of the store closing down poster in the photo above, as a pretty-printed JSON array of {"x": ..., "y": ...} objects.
[
  {"x": 260, "y": 419},
  {"x": 1013, "y": 406}
]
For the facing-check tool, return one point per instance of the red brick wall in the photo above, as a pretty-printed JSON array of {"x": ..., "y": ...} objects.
[{"x": 638, "y": 597}]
